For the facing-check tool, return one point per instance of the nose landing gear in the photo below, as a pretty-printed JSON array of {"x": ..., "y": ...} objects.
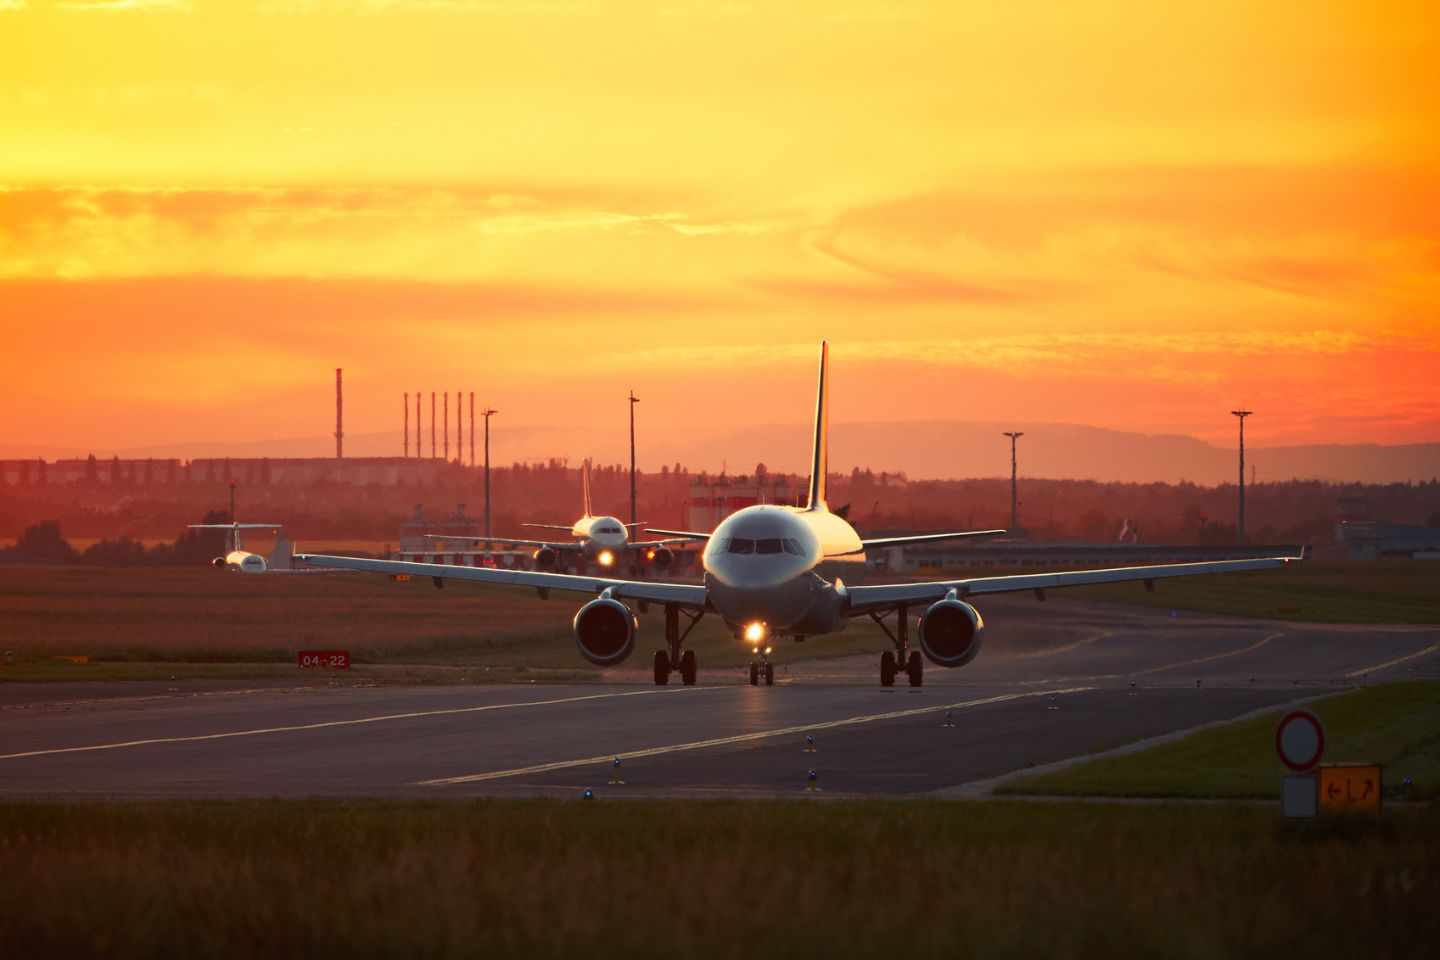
[
  {"x": 674, "y": 657},
  {"x": 762, "y": 668}
]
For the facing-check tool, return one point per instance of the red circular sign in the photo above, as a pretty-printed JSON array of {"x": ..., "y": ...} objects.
[{"x": 1300, "y": 740}]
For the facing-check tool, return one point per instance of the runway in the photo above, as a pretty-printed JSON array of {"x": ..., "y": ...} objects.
[{"x": 1054, "y": 681}]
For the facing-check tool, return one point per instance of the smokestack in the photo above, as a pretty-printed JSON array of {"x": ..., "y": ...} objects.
[
  {"x": 432, "y": 424},
  {"x": 407, "y": 425},
  {"x": 419, "y": 429},
  {"x": 459, "y": 428},
  {"x": 446, "y": 413},
  {"x": 339, "y": 417},
  {"x": 472, "y": 428}
]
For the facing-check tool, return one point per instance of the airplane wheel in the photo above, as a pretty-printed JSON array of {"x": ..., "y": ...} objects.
[
  {"x": 662, "y": 667},
  {"x": 754, "y": 674},
  {"x": 916, "y": 669},
  {"x": 689, "y": 667},
  {"x": 769, "y": 674},
  {"x": 887, "y": 669}
]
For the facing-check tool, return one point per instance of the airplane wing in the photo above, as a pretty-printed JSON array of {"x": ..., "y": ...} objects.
[
  {"x": 571, "y": 545},
  {"x": 549, "y": 526},
  {"x": 681, "y": 534},
  {"x": 929, "y": 538},
  {"x": 671, "y": 542},
  {"x": 235, "y": 526},
  {"x": 869, "y": 598},
  {"x": 689, "y": 595}
]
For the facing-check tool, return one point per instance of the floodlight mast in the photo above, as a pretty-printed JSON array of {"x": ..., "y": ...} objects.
[
  {"x": 1014, "y": 490},
  {"x": 633, "y": 400},
  {"x": 487, "y": 413},
  {"x": 1242, "y": 414}
]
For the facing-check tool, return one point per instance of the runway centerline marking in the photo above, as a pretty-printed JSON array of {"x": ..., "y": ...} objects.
[
  {"x": 1216, "y": 656},
  {"x": 1398, "y": 660},
  {"x": 419, "y": 714},
  {"x": 738, "y": 738}
]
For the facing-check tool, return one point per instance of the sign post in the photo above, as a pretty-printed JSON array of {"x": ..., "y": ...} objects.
[{"x": 1300, "y": 742}]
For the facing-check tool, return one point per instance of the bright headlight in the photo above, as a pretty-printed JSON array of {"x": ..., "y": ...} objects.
[
  {"x": 606, "y": 558},
  {"x": 755, "y": 632}
]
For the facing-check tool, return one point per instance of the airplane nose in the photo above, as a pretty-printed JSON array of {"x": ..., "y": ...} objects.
[{"x": 778, "y": 605}]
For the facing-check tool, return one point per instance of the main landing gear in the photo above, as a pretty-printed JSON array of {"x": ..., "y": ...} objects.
[
  {"x": 902, "y": 657},
  {"x": 674, "y": 658}
]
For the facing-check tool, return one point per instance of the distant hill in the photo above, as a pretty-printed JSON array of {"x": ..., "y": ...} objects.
[{"x": 919, "y": 449}]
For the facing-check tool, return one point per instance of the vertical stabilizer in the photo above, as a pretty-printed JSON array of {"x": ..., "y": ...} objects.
[
  {"x": 585, "y": 485},
  {"x": 819, "y": 459}
]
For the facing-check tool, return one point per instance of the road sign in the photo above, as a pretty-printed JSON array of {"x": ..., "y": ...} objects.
[
  {"x": 324, "y": 659},
  {"x": 1348, "y": 787},
  {"x": 1300, "y": 740},
  {"x": 1299, "y": 795}
]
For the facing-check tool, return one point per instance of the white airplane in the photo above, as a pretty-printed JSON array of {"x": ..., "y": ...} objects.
[
  {"x": 761, "y": 579},
  {"x": 236, "y": 557},
  {"x": 600, "y": 540}
]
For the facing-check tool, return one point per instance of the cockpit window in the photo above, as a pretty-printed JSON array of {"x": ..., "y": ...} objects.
[
  {"x": 740, "y": 545},
  {"x": 768, "y": 546},
  {"x": 793, "y": 546},
  {"x": 608, "y": 529}
]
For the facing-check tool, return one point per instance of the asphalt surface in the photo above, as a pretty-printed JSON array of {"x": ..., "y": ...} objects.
[{"x": 1054, "y": 681}]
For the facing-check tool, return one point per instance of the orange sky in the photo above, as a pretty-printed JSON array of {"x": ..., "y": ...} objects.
[{"x": 1118, "y": 213}]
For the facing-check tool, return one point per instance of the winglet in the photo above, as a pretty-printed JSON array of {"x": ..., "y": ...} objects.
[{"x": 820, "y": 454}]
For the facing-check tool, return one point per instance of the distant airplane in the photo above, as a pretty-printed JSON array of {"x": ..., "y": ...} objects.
[
  {"x": 761, "y": 579},
  {"x": 601, "y": 540},
  {"x": 236, "y": 557}
]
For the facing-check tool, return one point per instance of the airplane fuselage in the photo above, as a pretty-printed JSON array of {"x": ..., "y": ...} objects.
[
  {"x": 761, "y": 568},
  {"x": 601, "y": 535}
]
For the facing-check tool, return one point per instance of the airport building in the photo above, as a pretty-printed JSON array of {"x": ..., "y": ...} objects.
[
  {"x": 1371, "y": 540},
  {"x": 265, "y": 471}
]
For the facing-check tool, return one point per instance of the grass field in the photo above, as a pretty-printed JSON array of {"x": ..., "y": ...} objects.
[
  {"x": 796, "y": 879},
  {"x": 1389, "y": 591},
  {"x": 134, "y": 623},
  {"x": 1397, "y": 725},
  {"x": 154, "y": 623}
]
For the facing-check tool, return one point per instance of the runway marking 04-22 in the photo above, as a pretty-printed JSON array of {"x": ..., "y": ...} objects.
[
  {"x": 740, "y": 738},
  {"x": 322, "y": 725}
]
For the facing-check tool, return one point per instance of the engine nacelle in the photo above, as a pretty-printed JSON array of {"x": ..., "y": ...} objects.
[
  {"x": 545, "y": 558},
  {"x": 660, "y": 557},
  {"x": 605, "y": 631},
  {"x": 218, "y": 563},
  {"x": 950, "y": 633}
]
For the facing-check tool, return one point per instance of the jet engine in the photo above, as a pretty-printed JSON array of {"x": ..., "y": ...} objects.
[
  {"x": 545, "y": 558},
  {"x": 605, "y": 632},
  {"x": 950, "y": 633},
  {"x": 660, "y": 557},
  {"x": 218, "y": 563}
]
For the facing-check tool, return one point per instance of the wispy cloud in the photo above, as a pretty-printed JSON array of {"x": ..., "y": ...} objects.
[
  {"x": 13, "y": 5},
  {"x": 125, "y": 6}
]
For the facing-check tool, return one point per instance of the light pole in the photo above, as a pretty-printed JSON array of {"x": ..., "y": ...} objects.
[
  {"x": 486, "y": 413},
  {"x": 633, "y": 400},
  {"x": 1242, "y": 414},
  {"x": 1014, "y": 498}
]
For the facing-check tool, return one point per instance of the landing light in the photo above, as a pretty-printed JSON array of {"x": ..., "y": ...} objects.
[
  {"x": 649, "y": 554},
  {"x": 606, "y": 558},
  {"x": 755, "y": 632}
]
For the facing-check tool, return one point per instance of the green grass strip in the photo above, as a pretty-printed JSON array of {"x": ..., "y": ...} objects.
[{"x": 1396, "y": 724}]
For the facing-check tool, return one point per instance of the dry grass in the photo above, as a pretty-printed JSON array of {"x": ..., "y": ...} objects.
[
  {"x": 179, "y": 617},
  {"x": 546, "y": 879}
]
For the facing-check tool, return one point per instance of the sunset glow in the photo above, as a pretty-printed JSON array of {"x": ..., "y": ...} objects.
[{"x": 1124, "y": 214}]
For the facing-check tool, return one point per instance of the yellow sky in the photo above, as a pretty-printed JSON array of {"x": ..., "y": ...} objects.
[{"x": 1126, "y": 214}]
